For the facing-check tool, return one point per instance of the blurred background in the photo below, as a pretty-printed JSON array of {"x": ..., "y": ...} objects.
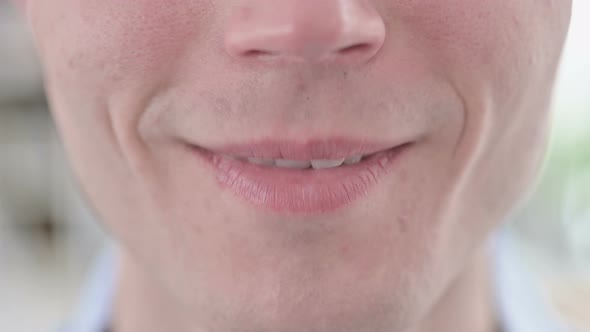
[{"x": 48, "y": 239}]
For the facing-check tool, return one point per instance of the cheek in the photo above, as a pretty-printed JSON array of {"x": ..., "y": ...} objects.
[
  {"x": 499, "y": 55},
  {"x": 106, "y": 41},
  {"x": 466, "y": 34},
  {"x": 497, "y": 44}
]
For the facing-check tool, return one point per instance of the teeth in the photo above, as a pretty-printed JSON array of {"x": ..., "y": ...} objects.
[
  {"x": 262, "y": 162},
  {"x": 292, "y": 163},
  {"x": 227, "y": 156},
  {"x": 353, "y": 160},
  {"x": 320, "y": 164},
  {"x": 302, "y": 164}
]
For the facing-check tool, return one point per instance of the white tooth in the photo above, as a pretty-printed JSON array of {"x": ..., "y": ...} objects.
[
  {"x": 230, "y": 157},
  {"x": 260, "y": 161},
  {"x": 292, "y": 163},
  {"x": 353, "y": 160},
  {"x": 319, "y": 164}
]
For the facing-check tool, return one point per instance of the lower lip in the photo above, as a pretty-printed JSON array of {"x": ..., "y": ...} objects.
[{"x": 302, "y": 191}]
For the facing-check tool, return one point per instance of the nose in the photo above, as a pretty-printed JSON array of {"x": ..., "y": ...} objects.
[{"x": 343, "y": 31}]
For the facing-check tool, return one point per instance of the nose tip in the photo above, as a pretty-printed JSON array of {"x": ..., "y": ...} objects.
[{"x": 349, "y": 31}]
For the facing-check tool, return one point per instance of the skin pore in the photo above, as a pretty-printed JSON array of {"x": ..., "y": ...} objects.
[{"x": 134, "y": 86}]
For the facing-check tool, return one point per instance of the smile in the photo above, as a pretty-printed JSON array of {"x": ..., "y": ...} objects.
[
  {"x": 302, "y": 164},
  {"x": 305, "y": 179}
]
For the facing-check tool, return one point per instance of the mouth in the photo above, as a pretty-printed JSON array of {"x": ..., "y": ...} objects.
[{"x": 303, "y": 179}]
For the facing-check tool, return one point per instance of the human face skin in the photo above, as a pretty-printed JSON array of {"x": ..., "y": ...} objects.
[{"x": 135, "y": 86}]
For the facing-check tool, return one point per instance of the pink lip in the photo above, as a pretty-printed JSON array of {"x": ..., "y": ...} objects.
[{"x": 301, "y": 191}]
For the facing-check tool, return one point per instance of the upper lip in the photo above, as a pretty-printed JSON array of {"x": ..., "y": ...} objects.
[{"x": 312, "y": 149}]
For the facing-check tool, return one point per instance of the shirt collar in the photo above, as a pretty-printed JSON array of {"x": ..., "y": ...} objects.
[
  {"x": 94, "y": 311},
  {"x": 519, "y": 297}
]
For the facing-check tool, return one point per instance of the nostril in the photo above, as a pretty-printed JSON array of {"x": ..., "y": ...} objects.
[
  {"x": 354, "y": 49},
  {"x": 256, "y": 53},
  {"x": 335, "y": 31}
]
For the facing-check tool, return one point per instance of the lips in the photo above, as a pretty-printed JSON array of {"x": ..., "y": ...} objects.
[{"x": 297, "y": 190}]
